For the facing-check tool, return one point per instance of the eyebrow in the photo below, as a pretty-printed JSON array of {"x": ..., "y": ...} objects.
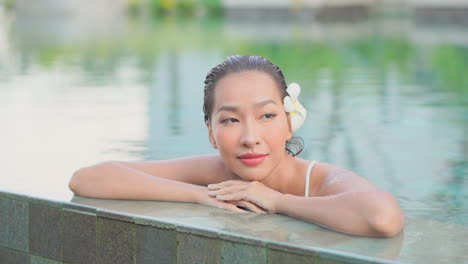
[{"x": 235, "y": 108}]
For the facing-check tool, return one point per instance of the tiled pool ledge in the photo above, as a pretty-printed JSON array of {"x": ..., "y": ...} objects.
[{"x": 36, "y": 230}]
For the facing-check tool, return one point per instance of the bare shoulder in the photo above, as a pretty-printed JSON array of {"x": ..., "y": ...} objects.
[
  {"x": 332, "y": 179},
  {"x": 200, "y": 170}
]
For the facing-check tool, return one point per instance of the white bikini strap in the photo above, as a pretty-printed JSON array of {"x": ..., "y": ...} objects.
[{"x": 309, "y": 169}]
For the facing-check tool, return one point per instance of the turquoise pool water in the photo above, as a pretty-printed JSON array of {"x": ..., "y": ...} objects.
[{"x": 387, "y": 97}]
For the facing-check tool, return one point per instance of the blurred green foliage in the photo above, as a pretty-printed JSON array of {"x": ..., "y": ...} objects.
[
  {"x": 300, "y": 59},
  {"x": 9, "y": 4},
  {"x": 176, "y": 7},
  {"x": 450, "y": 64}
]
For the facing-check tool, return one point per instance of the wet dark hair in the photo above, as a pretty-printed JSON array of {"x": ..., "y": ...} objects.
[{"x": 242, "y": 63}]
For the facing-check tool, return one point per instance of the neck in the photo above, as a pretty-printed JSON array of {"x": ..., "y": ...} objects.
[{"x": 286, "y": 177}]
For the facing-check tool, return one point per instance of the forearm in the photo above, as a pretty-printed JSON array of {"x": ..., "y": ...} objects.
[
  {"x": 115, "y": 181},
  {"x": 364, "y": 213}
]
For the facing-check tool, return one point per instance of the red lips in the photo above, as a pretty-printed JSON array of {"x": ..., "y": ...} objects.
[
  {"x": 251, "y": 156},
  {"x": 252, "y": 159}
]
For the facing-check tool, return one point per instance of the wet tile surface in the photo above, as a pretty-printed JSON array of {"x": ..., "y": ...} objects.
[
  {"x": 115, "y": 241},
  {"x": 414, "y": 245},
  {"x": 12, "y": 256},
  {"x": 44, "y": 234},
  {"x": 14, "y": 224},
  {"x": 242, "y": 253},
  {"x": 279, "y": 257},
  {"x": 155, "y": 245},
  {"x": 41, "y": 260},
  {"x": 198, "y": 249},
  {"x": 79, "y": 237}
]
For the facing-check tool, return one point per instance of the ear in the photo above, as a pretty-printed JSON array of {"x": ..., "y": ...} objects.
[{"x": 210, "y": 136}]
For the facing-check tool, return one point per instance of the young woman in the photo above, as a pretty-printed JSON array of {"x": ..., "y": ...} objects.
[{"x": 251, "y": 115}]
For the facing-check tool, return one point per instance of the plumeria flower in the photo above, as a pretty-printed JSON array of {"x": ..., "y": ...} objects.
[{"x": 292, "y": 105}]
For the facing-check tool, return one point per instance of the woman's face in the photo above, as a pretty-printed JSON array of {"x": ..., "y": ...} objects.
[{"x": 248, "y": 124}]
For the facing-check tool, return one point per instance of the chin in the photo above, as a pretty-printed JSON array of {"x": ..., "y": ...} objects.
[{"x": 251, "y": 174}]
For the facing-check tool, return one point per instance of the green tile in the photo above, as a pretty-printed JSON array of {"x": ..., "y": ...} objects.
[
  {"x": 44, "y": 201},
  {"x": 12, "y": 256},
  {"x": 78, "y": 237},
  {"x": 44, "y": 231},
  {"x": 233, "y": 236},
  {"x": 120, "y": 216},
  {"x": 198, "y": 249},
  {"x": 79, "y": 207},
  {"x": 158, "y": 223},
  {"x": 197, "y": 230},
  {"x": 155, "y": 245},
  {"x": 14, "y": 224},
  {"x": 329, "y": 261},
  {"x": 41, "y": 260},
  {"x": 115, "y": 241},
  {"x": 242, "y": 253},
  {"x": 276, "y": 256}
]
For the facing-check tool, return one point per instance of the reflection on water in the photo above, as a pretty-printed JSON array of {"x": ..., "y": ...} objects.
[{"x": 387, "y": 97}]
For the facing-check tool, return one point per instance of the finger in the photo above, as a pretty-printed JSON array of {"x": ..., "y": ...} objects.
[
  {"x": 234, "y": 208},
  {"x": 225, "y": 184},
  {"x": 227, "y": 206},
  {"x": 213, "y": 186},
  {"x": 231, "y": 196},
  {"x": 226, "y": 190},
  {"x": 252, "y": 207}
]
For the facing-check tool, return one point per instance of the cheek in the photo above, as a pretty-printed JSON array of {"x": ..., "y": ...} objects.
[
  {"x": 278, "y": 139},
  {"x": 225, "y": 137}
]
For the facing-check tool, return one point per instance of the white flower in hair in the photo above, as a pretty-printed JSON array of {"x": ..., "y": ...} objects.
[{"x": 297, "y": 112}]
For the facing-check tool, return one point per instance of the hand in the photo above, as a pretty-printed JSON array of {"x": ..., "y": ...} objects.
[
  {"x": 205, "y": 199},
  {"x": 252, "y": 191}
]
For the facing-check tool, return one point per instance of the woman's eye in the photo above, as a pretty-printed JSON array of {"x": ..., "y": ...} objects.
[
  {"x": 268, "y": 116},
  {"x": 228, "y": 120}
]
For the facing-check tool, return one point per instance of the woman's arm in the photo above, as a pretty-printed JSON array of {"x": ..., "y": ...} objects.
[
  {"x": 346, "y": 202},
  {"x": 116, "y": 181},
  {"x": 375, "y": 213},
  {"x": 178, "y": 180}
]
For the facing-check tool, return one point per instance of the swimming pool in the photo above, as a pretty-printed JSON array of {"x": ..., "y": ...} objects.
[{"x": 386, "y": 98}]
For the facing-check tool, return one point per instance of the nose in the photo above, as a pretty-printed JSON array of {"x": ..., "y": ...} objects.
[{"x": 250, "y": 135}]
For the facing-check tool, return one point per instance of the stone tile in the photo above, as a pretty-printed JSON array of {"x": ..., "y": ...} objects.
[
  {"x": 14, "y": 224},
  {"x": 120, "y": 216},
  {"x": 44, "y": 231},
  {"x": 327, "y": 258},
  {"x": 293, "y": 249},
  {"x": 41, "y": 260},
  {"x": 329, "y": 261},
  {"x": 115, "y": 241},
  {"x": 198, "y": 249},
  {"x": 242, "y": 253},
  {"x": 78, "y": 237},
  {"x": 14, "y": 196},
  {"x": 197, "y": 230},
  {"x": 240, "y": 238},
  {"x": 155, "y": 245},
  {"x": 79, "y": 207},
  {"x": 13, "y": 256},
  {"x": 276, "y": 256},
  {"x": 159, "y": 223},
  {"x": 44, "y": 201}
]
